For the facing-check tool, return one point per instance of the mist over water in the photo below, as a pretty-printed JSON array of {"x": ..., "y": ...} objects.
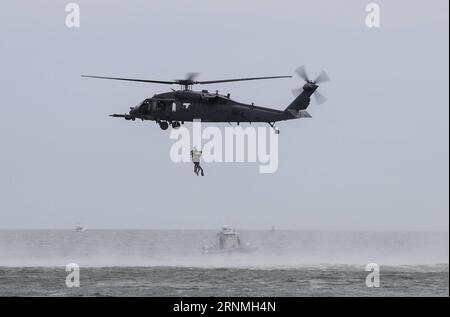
[{"x": 183, "y": 248}]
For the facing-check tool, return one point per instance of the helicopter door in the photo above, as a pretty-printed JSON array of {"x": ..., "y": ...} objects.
[
  {"x": 161, "y": 107},
  {"x": 199, "y": 111},
  {"x": 188, "y": 110}
]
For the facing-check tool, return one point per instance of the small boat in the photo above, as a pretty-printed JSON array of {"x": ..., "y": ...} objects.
[
  {"x": 79, "y": 228},
  {"x": 228, "y": 241}
]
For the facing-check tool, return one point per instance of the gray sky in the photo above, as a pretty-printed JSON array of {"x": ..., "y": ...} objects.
[{"x": 375, "y": 156}]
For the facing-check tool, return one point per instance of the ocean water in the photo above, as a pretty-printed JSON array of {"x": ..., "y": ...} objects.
[{"x": 170, "y": 263}]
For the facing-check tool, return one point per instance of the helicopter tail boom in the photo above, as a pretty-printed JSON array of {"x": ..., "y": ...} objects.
[{"x": 301, "y": 102}]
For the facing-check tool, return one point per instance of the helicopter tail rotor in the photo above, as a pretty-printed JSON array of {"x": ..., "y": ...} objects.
[
  {"x": 322, "y": 78},
  {"x": 303, "y": 94},
  {"x": 311, "y": 85}
]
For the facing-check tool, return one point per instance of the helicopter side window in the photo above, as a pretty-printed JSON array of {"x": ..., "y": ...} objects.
[
  {"x": 160, "y": 106},
  {"x": 186, "y": 106}
]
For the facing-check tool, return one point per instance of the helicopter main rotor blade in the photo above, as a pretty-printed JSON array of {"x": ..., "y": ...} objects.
[
  {"x": 188, "y": 81},
  {"x": 191, "y": 76},
  {"x": 132, "y": 79},
  {"x": 205, "y": 82}
]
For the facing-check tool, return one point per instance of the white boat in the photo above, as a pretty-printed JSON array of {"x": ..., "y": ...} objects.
[
  {"x": 228, "y": 241},
  {"x": 79, "y": 228}
]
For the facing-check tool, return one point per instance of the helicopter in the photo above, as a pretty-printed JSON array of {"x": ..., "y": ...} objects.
[{"x": 184, "y": 105}]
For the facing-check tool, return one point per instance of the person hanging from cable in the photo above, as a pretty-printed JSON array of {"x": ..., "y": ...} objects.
[{"x": 196, "y": 156}]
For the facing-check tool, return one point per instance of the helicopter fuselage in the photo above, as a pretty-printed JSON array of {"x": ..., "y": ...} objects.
[
  {"x": 178, "y": 106},
  {"x": 182, "y": 106}
]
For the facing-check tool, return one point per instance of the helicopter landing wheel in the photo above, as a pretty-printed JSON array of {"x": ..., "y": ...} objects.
[
  {"x": 176, "y": 124},
  {"x": 163, "y": 125}
]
